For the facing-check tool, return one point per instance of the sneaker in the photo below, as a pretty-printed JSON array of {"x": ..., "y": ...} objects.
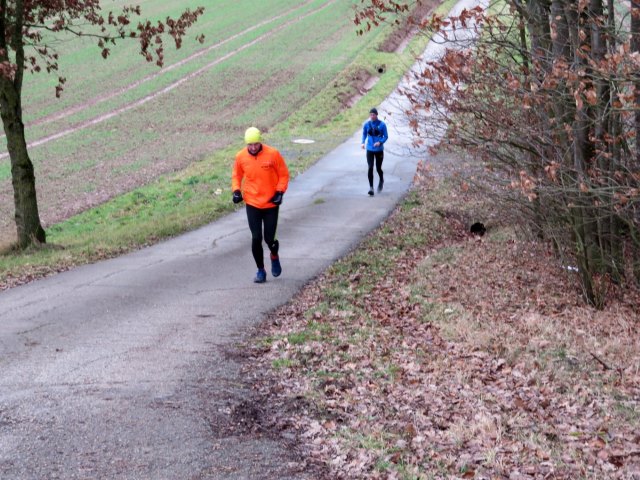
[
  {"x": 371, "y": 192},
  {"x": 276, "y": 268},
  {"x": 261, "y": 276},
  {"x": 380, "y": 185}
]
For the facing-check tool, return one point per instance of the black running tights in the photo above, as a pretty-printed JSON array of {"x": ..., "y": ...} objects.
[
  {"x": 378, "y": 158},
  {"x": 257, "y": 218}
]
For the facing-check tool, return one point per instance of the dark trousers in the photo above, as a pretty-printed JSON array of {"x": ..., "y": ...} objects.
[
  {"x": 259, "y": 218},
  {"x": 378, "y": 156}
]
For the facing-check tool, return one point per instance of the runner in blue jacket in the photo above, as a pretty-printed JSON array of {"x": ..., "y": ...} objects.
[{"x": 374, "y": 134}]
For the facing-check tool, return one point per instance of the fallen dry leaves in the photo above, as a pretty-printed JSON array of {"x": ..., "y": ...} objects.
[{"x": 428, "y": 353}]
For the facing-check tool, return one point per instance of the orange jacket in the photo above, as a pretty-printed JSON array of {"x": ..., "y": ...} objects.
[{"x": 259, "y": 177}]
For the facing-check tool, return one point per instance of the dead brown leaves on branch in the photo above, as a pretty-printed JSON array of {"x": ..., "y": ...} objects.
[
  {"x": 428, "y": 353},
  {"x": 377, "y": 12},
  {"x": 557, "y": 124},
  {"x": 83, "y": 19}
]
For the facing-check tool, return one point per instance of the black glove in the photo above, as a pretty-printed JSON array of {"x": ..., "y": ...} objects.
[
  {"x": 237, "y": 196},
  {"x": 277, "y": 198}
]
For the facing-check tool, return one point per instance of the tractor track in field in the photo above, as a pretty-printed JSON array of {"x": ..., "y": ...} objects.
[{"x": 152, "y": 96}]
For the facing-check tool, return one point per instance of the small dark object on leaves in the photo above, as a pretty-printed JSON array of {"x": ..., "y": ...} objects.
[{"x": 478, "y": 229}]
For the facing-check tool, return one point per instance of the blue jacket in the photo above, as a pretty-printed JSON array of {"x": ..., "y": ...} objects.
[{"x": 373, "y": 132}]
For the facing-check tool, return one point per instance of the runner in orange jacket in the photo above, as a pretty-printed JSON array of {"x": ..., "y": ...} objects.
[{"x": 260, "y": 177}]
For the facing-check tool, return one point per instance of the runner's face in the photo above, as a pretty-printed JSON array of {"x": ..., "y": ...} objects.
[
  {"x": 253, "y": 148},
  {"x": 373, "y": 116}
]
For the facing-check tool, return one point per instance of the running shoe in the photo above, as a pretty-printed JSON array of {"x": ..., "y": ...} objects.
[
  {"x": 261, "y": 276},
  {"x": 371, "y": 192},
  {"x": 380, "y": 185},
  {"x": 276, "y": 268}
]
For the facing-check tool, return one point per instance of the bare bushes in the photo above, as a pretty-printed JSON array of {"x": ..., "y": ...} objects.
[{"x": 547, "y": 98}]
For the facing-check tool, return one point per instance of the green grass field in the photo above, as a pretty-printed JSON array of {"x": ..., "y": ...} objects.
[{"x": 163, "y": 167}]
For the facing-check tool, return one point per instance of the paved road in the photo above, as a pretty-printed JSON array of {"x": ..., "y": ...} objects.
[
  {"x": 116, "y": 370},
  {"x": 112, "y": 370}
]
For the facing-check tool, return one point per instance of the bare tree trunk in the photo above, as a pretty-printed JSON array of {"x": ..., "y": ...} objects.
[
  {"x": 608, "y": 236},
  {"x": 561, "y": 49},
  {"x": 29, "y": 228},
  {"x": 538, "y": 23},
  {"x": 27, "y": 219},
  {"x": 564, "y": 23},
  {"x": 536, "y": 16},
  {"x": 585, "y": 218},
  {"x": 635, "y": 47}
]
